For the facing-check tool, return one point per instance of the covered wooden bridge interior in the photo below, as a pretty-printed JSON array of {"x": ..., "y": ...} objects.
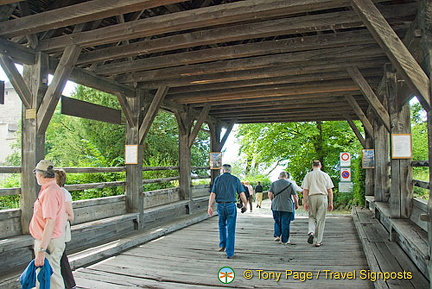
[{"x": 220, "y": 62}]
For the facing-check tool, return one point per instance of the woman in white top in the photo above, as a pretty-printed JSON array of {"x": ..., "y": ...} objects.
[{"x": 66, "y": 270}]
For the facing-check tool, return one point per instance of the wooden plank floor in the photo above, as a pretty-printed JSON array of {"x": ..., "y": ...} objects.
[{"x": 188, "y": 258}]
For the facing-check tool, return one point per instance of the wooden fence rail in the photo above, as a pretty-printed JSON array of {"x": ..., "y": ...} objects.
[{"x": 100, "y": 185}]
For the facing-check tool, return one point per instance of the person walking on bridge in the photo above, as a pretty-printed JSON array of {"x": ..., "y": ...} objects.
[
  {"x": 224, "y": 190},
  {"x": 318, "y": 197},
  {"x": 283, "y": 202},
  {"x": 48, "y": 223}
]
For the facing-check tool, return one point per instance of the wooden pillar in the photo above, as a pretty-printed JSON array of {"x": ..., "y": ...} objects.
[
  {"x": 369, "y": 173},
  {"x": 381, "y": 171},
  {"x": 134, "y": 183},
  {"x": 185, "y": 122},
  {"x": 215, "y": 145},
  {"x": 401, "y": 170},
  {"x": 33, "y": 141},
  {"x": 426, "y": 45}
]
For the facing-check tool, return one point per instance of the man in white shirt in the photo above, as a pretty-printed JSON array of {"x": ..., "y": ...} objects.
[{"x": 318, "y": 197}]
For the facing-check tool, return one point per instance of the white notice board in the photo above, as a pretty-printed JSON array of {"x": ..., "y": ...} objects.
[
  {"x": 401, "y": 146},
  {"x": 131, "y": 154}
]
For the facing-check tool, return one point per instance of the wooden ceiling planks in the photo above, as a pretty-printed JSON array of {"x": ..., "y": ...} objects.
[{"x": 269, "y": 61}]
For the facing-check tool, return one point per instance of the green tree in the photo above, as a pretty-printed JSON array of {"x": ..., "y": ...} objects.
[{"x": 295, "y": 145}]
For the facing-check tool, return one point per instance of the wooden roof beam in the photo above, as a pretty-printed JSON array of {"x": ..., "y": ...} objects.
[
  {"x": 394, "y": 48},
  {"x": 356, "y": 131},
  {"x": 361, "y": 115},
  {"x": 286, "y": 26},
  {"x": 17, "y": 80},
  {"x": 320, "y": 41},
  {"x": 264, "y": 75},
  {"x": 75, "y": 14},
  {"x": 55, "y": 89},
  {"x": 370, "y": 96},
  {"x": 326, "y": 55},
  {"x": 152, "y": 112},
  {"x": 191, "y": 19}
]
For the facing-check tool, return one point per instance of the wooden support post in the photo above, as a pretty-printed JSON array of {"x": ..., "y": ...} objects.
[
  {"x": 134, "y": 180},
  {"x": 426, "y": 46},
  {"x": 185, "y": 122},
  {"x": 33, "y": 142},
  {"x": 369, "y": 173},
  {"x": 215, "y": 145},
  {"x": 381, "y": 171},
  {"x": 401, "y": 170}
]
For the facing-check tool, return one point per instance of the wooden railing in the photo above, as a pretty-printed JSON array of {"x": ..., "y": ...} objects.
[
  {"x": 418, "y": 183},
  {"x": 100, "y": 185}
]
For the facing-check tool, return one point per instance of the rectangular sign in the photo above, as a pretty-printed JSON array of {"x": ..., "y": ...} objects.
[
  {"x": 346, "y": 187},
  {"x": 131, "y": 154},
  {"x": 401, "y": 146},
  {"x": 368, "y": 160},
  {"x": 215, "y": 160}
]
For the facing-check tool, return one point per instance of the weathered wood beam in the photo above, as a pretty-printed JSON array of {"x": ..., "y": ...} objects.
[
  {"x": 327, "y": 55},
  {"x": 152, "y": 112},
  {"x": 192, "y": 19},
  {"x": 23, "y": 55},
  {"x": 297, "y": 44},
  {"x": 228, "y": 130},
  {"x": 356, "y": 131},
  {"x": 396, "y": 51},
  {"x": 17, "y": 80},
  {"x": 286, "y": 26},
  {"x": 125, "y": 108},
  {"x": 74, "y": 14},
  {"x": 202, "y": 117},
  {"x": 52, "y": 95},
  {"x": 249, "y": 93},
  {"x": 370, "y": 95},
  {"x": 83, "y": 109},
  {"x": 294, "y": 70},
  {"x": 282, "y": 106},
  {"x": 362, "y": 116},
  {"x": 18, "y": 53}
]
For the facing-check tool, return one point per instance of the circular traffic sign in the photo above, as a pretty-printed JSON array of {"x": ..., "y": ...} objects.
[
  {"x": 345, "y": 174},
  {"x": 345, "y": 156}
]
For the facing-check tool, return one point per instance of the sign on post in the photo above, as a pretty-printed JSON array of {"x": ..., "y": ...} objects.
[
  {"x": 346, "y": 174},
  {"x": 345, "y": 159}
]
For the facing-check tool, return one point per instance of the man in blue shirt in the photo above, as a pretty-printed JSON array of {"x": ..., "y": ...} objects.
[{"x": 224, "y": 190}]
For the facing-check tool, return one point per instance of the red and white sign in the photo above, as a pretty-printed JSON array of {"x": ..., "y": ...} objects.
[
  {"x": 345, "y": 159},
  {"x": 346, "y": 174}
]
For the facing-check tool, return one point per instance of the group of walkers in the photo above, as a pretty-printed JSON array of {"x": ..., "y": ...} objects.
[{"x": 317, "y": 189}]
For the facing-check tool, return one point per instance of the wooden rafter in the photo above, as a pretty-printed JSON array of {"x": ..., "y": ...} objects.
[
  {"x": 17, "y": 80},
  {"x": 370, "y": 96},
  {"x": 362, "y": 116},
  {"x": 394, "y": 48},
  {"x": 78, "y": 13},
  {"x": 53, "y": 94},
  {"x": 152, "y": 112},
  {"x": 356, "y": 131},
  {"x": 202, "y": 117}
]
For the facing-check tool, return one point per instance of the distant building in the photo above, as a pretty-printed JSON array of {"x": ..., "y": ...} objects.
[{"x": 10, "y": 115}]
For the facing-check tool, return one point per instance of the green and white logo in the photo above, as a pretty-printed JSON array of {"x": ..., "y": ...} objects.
[{"x": 226, "y": 275}]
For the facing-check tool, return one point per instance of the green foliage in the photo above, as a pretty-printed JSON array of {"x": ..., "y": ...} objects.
[
  {"x": 295, "y": 145},
  {"x": 420, "y": 148}
]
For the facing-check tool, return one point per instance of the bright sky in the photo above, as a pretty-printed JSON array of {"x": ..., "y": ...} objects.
[{"x": 69, "y": 88}]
